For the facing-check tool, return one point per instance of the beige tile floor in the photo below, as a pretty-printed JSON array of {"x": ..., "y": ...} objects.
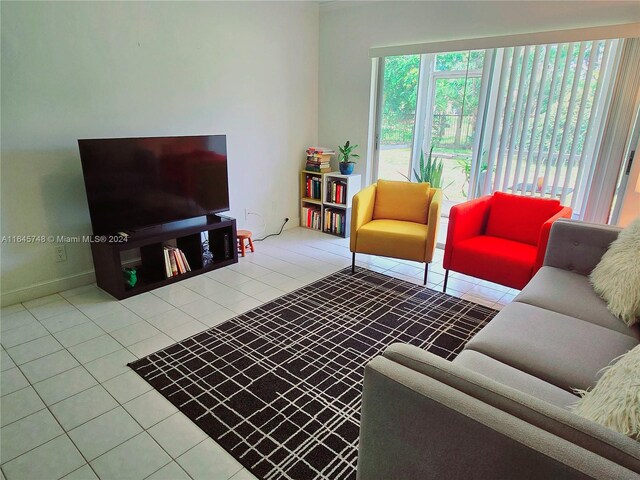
[{"x": 71, "y": 408}]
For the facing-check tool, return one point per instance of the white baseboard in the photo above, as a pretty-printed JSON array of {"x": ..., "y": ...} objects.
[
  {"x": 46, "y": 288},
  {"x": 61, "y": 284}
]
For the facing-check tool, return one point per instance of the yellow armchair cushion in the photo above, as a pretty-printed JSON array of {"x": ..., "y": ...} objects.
[
  {"x": 405, "y": 201},
  {"x": 393, "y": 238}
]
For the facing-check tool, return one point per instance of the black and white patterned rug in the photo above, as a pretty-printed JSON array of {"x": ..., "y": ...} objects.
[{"x": 279, "y": 387}]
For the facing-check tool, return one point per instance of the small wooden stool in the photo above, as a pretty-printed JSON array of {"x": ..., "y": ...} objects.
[{"x": 242, "y": 236}]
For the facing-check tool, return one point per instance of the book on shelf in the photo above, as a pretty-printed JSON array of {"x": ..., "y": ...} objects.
[
  {"x": 337, "y": 192},
  {"x": 178, "y": 260},
  {"x": 184, "y": 260},
  {"x": 313, "y": 187},
  {"x": 318, "y": 168},
  {"x": 311, "y": 217},
  {"x": 175, "y": 261},
  {"x": 172, "y": 264},
  {"x": 167, "y": 263},
  {"x": 334, "y": 221},
  {"x": 181, "y": 266},
  {"x": 320, "y": 151},
  {"x": 319, "y": 159},
  {"x": 317, "y": 165}
]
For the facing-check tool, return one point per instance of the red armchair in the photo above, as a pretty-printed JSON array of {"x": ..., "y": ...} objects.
[{"x": 501, "y": 238}]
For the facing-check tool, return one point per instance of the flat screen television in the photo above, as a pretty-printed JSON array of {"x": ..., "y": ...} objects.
[{"x": 133, "y": 183}]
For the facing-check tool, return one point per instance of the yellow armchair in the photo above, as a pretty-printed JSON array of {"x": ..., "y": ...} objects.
[{"x": 396, "y": 219}]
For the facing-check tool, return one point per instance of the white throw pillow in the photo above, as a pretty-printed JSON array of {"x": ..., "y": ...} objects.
[
  {"x": 616, "y": 278},
  {"x": 615, "y": 400}
]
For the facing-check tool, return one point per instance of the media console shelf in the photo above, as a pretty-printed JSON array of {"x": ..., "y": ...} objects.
[{"x": 189, "y": 236}]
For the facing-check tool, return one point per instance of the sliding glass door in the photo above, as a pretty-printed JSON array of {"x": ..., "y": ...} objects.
[{"x": 526, "y": 120}]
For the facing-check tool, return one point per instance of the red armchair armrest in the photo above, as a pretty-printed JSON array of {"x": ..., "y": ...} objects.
[
  {"x": 565, "y": 212},
  {"x": 466, "y": 220}
]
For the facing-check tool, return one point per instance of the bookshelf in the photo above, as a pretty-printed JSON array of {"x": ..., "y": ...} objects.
[
  {"x": 337, "y": 200},
  {"x": 311, "y": 194},
  {"x": 333, "y": 206}
]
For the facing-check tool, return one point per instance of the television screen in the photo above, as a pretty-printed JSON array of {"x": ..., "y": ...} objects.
[{"x": 133, "y": 183}]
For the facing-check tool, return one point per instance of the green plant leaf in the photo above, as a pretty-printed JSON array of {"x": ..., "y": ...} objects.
[
  {"x": 430, "y": 170},
  {"x": 346, "y": 153}
]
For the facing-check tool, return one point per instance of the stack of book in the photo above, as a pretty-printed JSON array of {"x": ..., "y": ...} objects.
[
  {"x": 318, "y": 159},
  {"x": 311, "y": 217},
  {"x": 175, "y": 262},
  {"x": 337, "y": 192},
  {"x": 313, "y": 187},
  {"x": 334, "y": 221}
]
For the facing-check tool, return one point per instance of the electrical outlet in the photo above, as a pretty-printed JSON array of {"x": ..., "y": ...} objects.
[
  {"x": 246, "y": 213},
  {"x": 61, "y": 253}
]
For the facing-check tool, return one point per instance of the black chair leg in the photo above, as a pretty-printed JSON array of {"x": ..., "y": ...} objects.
[
  {"x": 353, "y": 262},
  {"x": 446, "y": 279},
  {"x": 426, "y": 272}
]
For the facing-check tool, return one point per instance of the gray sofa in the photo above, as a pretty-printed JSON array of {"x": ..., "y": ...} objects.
[{"x": 501, "y": 409}]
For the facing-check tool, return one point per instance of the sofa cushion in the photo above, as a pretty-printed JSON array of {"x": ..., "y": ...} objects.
[
  {"x": 514, "y": 378},
  {"x": 405, "y": 201},
  {"x": 615, "y": 400},
  {"x": 617, "y": 276},
  {"x": 393, "y": 238},
  {"x": 519, "y": 218},
  {"x": 570, "y": 293},
  {"x": 578, "y": 246},
  {"x": 495, "y": 259},
  {"x": 556, "y": 348}
]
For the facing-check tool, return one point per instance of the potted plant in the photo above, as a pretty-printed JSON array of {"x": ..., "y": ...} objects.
[{"x": 345, "y": 158}]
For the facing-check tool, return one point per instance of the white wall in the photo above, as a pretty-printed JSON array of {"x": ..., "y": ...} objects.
[
  {"x": 106, "y": 69},
  {"x": 349, "y": 29},
  {"x": 256, "y": 71}
]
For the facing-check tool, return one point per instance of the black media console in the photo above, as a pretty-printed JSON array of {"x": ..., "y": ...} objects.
[{"x": 187, "y": 235}]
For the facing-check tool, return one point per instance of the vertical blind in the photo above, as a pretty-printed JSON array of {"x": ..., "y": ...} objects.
[{"x": 541, "y": 135}]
